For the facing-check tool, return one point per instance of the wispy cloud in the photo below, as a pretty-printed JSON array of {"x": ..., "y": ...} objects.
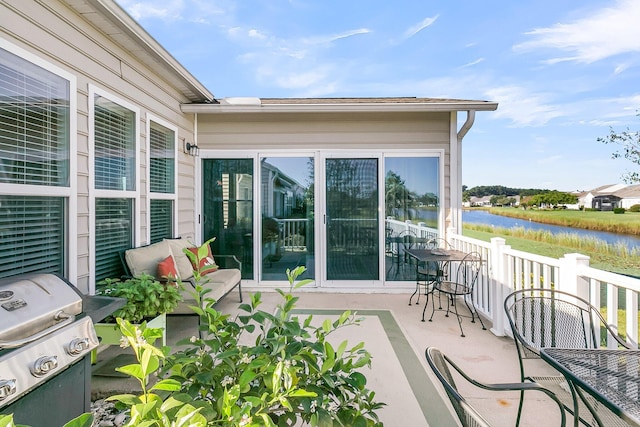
[
  {"x": 426, "y": 22},
  {"x": 335, "y": 37},
  {"x": 472, "y": 63},
  {"x": 604, "y": 33},
  {"x": 524, "y": 108}
]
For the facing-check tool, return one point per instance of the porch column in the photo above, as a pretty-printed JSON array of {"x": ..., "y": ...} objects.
[
  {"x": 498, "y": 281},
  {"x": 569, "y": 280}
]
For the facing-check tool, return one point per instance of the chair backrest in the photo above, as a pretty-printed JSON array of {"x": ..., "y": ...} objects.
[
  {"x": 467, "y": 415},
  {"x": 548, "y": 318},
  {"x": 466, "y": 272},
  {"x": 438, "y": 243}
]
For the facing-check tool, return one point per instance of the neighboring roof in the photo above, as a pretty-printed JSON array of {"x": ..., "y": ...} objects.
[
  {"x": 233, "y": 105},
  {"x": 108, "y": 17},
  {"x": 619, "y": 190},
  {"x": 630, "y": 191}
]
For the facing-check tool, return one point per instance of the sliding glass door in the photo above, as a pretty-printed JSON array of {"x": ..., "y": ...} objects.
[
  {"x": 287, "y": 211},
  {"x": 352, "y": 222},
  {"x": 265, "y": 210}
]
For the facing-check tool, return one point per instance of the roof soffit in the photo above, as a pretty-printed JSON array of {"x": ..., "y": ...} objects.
[{"x": 114, "y": 22}]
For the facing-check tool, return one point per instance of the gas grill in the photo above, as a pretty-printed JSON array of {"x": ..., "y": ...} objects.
[{"x": 46, "y": 336}]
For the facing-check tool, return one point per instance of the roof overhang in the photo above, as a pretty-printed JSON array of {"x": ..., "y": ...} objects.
[
  {"x": 113, "y": 21},
  {"x": 337, "y": 105}
]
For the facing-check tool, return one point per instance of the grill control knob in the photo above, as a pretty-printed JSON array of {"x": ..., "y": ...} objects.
[
  {"x": 44, "y": 365},
  {"x": 77, "y": 346},
  {"x": 7, "y": 388}
]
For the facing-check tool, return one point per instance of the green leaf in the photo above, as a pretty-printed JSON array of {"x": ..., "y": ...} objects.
[
  {"x": 84, "y": 420},
  {"x": 134, "y": 371},
  {"x": 326, "y": 326},
  {"x": 167, "y": 385}
]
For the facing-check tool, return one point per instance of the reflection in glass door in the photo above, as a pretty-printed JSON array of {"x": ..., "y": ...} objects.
[
  {"x": 287, "y": 210},
  {"x": 352, "y": 219},
  {"x": 227, "y": 209},
  {"x": 412, "y": 201}
]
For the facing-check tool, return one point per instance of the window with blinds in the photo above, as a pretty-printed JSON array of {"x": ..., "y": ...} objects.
[
  {"x": 113, "y": 235},
  {"x": 114, "y": 144},
  {"x": 115, "y": 170},
  {"x": 163, "y": 159},
  {"x": 34, "y": 124},
  {"x": 161, "y": 220},
  {"x": 162, "y": 181},
  {"x": 32, "y": 235},
  {"x": 34, "y": 151}
]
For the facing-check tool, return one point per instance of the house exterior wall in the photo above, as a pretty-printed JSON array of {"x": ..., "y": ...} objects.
[
  {"x": 320, "y": 131},
  {"x": 52, "y": 32}
]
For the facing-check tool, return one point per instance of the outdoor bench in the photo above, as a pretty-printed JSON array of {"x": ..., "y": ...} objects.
[{"x": 147, "y": 259}]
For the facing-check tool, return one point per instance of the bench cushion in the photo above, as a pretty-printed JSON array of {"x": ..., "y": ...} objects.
[{"x": 146, "y": 258}]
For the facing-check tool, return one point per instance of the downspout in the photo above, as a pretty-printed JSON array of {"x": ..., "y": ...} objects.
[
  {"x": 456, "y": 184},
  {"x": 471, "y": 117}
]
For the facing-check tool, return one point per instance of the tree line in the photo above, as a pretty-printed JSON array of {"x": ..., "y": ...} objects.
[{"x": 504, "y": 196}]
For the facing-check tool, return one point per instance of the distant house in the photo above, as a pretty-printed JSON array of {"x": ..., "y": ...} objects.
[
  {"x": 609, "y": 197},
  {"x": 480, "y": 201}
]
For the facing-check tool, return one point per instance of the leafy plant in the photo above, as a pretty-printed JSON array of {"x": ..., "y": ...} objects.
[
  {"x": 145, "y": 297},
  {"x": 289, "y": 373}
]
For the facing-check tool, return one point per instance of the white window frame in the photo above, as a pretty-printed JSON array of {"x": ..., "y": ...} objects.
[
  {"x": 114, "y": 194},
  {"x": 162, "y": 196},
  {"x": 68, "y": 192}
]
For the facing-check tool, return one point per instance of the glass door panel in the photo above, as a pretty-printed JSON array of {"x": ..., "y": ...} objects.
[
  {"x": 227, "y": 208},
  {"x": 412, "y": 200},
  {"x": 287, "y": 210},
  {"x": 352, "y": 219}
]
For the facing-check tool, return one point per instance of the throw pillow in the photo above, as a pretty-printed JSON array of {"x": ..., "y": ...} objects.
[
  {"x": 183, "y": 264},
  {"x": 167, "y": 269},
  {"x": 207, "y": 264}
]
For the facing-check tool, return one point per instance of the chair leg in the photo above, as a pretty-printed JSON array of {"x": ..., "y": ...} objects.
[
  {"x": 455, "y": 310},
  {"x": 474, "y": 313},
  {"x": 520, "y": 408},
  {"x": 415, "y": 292},
  {"x": 426, "y": 303}
]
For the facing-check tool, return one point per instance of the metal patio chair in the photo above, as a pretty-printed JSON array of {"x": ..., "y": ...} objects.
[
  {"x": 469, "y": 416},
  {"x": 548, "y": 318},
  {"x": 461, "y": 284},
  {"x": 429, "y": 272}
]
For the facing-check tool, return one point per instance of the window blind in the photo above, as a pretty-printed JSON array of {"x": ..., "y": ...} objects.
[
  {"x": 114, "y": 136},
  {"x": 113, "y": 235},
  {"x": 162, "y": 168},
  {"x": 32, "y": 235},
  {"x": 161, "y": 220},
  {"x": 34, "y": 124}
]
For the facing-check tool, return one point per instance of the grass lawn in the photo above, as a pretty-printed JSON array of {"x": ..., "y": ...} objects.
[
  {"x": 626, "y": 223},
  {"x": 604, "y": 261}
]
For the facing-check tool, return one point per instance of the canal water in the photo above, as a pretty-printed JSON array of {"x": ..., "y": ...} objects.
[{"x": 486, "y": 218}]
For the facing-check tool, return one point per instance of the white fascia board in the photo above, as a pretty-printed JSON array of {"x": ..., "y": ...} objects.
[{"x": 338, "y": 108}]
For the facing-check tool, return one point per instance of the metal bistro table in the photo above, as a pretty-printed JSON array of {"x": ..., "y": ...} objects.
[
  {"x": 439, "y": 256},
  {"x": 611, "y": 376}
]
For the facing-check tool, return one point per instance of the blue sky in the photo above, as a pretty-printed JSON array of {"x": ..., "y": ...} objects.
[{"x": 563, "y": 72}]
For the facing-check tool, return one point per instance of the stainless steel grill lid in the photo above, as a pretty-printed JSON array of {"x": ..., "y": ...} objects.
[{"x": 33, "y": 305}]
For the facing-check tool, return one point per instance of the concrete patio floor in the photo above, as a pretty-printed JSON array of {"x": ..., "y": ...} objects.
[{"x": 402, "y": 381}]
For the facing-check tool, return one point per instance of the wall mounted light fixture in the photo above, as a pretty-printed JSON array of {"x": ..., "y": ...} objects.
[{"x": 191, "y": 149}]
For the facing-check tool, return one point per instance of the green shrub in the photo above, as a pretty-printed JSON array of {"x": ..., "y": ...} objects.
[
  {"x": 618, "y": 210},
  {"x": 635, "y": 208}
]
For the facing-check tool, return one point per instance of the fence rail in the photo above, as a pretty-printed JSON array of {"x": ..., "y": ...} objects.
[{"x": 507, "y": 270}]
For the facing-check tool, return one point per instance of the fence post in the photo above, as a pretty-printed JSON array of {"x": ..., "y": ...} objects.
[
  {"x": 569, "y": 280},
  {"x": 497, "y": 271}
]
